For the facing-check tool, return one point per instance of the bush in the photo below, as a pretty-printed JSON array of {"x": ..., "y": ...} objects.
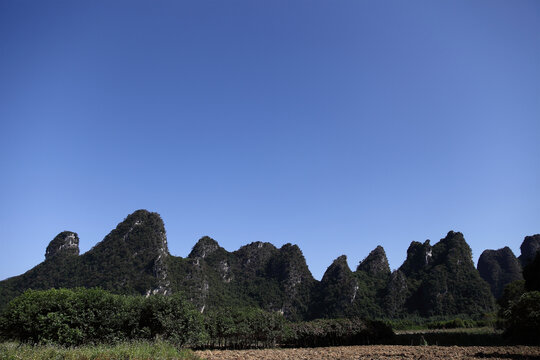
[
  {"x": 243, "y": 327},
  {"x": 337, "y": 332},
  {"x": 522, "y": 319},
  {"x": 67, "y": 317},
  {"x": 89, "y": 316}
]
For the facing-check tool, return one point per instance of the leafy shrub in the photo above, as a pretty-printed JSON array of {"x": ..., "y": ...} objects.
[
  {"x": 522, "y": 319},
  {"x": 337, "y": 332},
  {"x": 86, "y": 316},
  {"x": 243, "y": 327}
]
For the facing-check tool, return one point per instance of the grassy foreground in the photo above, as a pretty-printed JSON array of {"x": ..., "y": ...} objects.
[{"x": 158, "y": 350}]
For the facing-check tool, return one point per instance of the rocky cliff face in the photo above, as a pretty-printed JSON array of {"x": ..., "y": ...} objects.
[
  {"x": 529, "y": 248},
  {"x": 419, "y": 257},
  {"x": 499, "y": 268},
  {"x": 290, "y": 270},
  {"x": 375, "y": 263},
  {"x": 65, "y": 243},
  {"x": 396, "y": 294},
  {"x": 133, "y": 255}
]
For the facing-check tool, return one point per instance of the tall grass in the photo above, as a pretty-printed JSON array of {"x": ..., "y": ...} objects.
[{"x": 141, "y": 350}]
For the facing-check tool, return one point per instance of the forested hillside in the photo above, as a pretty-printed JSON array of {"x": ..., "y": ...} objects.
[{"x": 133, "y": 259}]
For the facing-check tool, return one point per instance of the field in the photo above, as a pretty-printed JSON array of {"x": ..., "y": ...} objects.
[
  {"x": 378, "y": 353},
  {"x": 125, "y": 351}
]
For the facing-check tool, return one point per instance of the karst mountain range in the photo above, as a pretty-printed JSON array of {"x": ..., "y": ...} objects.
[{"x": 434, "y": 280}]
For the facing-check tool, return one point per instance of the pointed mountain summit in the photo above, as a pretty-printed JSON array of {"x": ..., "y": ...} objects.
[
  {"x": 499, "y": 268},
  {"x": 131, "y": 256},
  {"x": 204, "y": 247},
  {"x": 376, "y": 263},
  {"x": 418, "y": 258},
  {"x": 337, "y": 290},
  {"x": 65, "y": 243}
]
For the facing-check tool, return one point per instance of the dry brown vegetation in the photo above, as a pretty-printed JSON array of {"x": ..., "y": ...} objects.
[{"x": 378, "y": 353}]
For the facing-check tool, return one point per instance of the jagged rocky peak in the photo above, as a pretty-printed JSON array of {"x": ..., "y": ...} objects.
[
  {"x": 376, "y": 263},
  {"x": 529, "y": 248},
  {"x": 255, "y": 254},
  {"x": 454, "y": 239},
  {"x": 65, "y": 243},
  {"x": 204, "y": 247},
  {"x": 499, "y": 268},
  {"x": 142, "y": 236},
  {"x": 291, "y": 249},
  {"x": 337, "y": 269},
  {"x": 142, "y": 230},
  {"x": 419, "y": 256},
  {"x": 337, "y": 290}
]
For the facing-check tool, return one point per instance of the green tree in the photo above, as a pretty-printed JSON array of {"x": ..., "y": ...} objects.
[{"x": 523, "y": 318}]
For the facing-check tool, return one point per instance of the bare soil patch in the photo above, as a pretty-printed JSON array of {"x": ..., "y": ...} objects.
[{"x": 379, "y": 353}]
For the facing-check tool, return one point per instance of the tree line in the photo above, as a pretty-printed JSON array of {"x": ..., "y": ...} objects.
[{"x": 73, "y": 317}]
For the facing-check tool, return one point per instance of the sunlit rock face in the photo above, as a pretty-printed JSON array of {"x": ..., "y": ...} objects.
[{"x": 65, "y": 243}]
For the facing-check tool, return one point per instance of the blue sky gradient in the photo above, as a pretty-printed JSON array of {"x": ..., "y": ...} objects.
[{"x": 337, "y": 126}]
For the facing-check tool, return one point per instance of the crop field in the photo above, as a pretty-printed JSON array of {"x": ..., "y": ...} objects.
[{"x": 378, "y": 353}]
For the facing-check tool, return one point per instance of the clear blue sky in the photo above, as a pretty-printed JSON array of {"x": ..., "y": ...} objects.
[{"x": 335, "y": 125}]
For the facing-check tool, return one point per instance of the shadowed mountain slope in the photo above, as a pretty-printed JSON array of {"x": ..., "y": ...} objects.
[{"x": 499, "y": 268}]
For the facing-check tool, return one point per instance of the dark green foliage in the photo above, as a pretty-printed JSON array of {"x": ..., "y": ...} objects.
[
  {"x": 522, "y": 319},
  {"x": 456, "y": 323},
  {"x": 257, "y": 275},
  {"x": 442, "y": 279},
  {"x": 130, "y": 260},
  {"x": 295, "y": 281},
  {"x": 172, "y": 318},
  {"x": 89, "y": 316},
  {"x": 133, "y": 259},
  {"x": 337, "y": 332},
  {"x": 375, "y": 264},
  {"x": 241, "y": 328},
  {"x": 511, "y": 293},
  {"x": 335, "y": 294},
  {"x": 68, "y": 317},
  {"x": 395, "y": 295}
]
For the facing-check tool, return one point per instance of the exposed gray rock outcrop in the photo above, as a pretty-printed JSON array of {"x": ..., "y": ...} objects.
[{"x": 65, "y": 243}]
